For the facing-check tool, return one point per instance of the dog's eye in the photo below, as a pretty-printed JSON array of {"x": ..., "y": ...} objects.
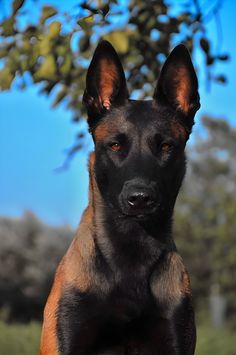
[
  {"x": 166, "y": 147},
  {"x": 116, "y": 147}
]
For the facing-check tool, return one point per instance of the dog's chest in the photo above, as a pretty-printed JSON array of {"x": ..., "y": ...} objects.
[{"x": 129, "y": 300}]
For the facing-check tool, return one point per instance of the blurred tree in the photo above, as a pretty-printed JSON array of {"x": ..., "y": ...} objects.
[
  {"x": 55, "y": 49},
  {"x": 29, "y": 254},
  {"x": 205, "y": 215}
]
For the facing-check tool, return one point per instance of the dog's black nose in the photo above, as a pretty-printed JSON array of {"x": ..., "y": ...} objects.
[{"x": 140, "y": 200}]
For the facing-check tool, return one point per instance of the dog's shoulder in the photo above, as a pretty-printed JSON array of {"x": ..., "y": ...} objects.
[{"x": 170, "y": 282}]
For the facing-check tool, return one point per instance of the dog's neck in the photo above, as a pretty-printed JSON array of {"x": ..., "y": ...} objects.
[{"x": 114, "y": 230}]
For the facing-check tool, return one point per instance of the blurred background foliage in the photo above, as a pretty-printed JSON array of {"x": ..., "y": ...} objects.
[{"x": 53, "y": 52}]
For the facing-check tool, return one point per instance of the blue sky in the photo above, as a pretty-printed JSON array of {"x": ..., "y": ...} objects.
[{"x": 33, "y": 139}]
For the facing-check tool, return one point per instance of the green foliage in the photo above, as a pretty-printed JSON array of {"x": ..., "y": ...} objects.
[
  {"x": 19, "y": 339},
  {"x": 215, "y": 341},
  {"x": 16, "y": 5},
  {"x": 55, "y": 50},
  {"x": 47, "y": 12}
]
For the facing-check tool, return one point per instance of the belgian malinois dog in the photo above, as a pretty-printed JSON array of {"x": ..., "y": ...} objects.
[{"x": 122, "y": 287}]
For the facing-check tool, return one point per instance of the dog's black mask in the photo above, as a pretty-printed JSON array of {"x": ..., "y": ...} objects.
[{"x": 140, "y": 162}]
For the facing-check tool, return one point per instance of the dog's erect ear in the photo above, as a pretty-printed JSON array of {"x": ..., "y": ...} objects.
[
  {"x": 178, "y": 85},
  {"x": 105, "y": 82}
]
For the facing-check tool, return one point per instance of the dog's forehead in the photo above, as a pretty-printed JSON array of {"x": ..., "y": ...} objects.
[
  {"x": 139, "y": 116},
  {"x": 146, "y": 113}
]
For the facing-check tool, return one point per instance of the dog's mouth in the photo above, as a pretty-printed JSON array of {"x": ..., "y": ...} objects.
[{"x": 140, "y": 215}]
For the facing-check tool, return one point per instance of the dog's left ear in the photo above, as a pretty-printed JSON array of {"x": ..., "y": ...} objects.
[
  {"x": 178, "y": 85},
  {"x": 105, "y": 83}
]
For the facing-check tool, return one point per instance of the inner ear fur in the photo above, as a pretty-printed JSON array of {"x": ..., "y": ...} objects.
[
  {"x": 105, "y": 82},
  {"x": 178, "y": 85}
]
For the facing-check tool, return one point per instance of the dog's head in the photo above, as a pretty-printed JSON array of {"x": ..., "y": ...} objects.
[{"x": 139, "y": 145}]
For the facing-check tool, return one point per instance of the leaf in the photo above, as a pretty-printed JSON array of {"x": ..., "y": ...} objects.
[
  {"x": 119, "y": 39},
  {"x": 210, "y": 60},
  {"x": 24, "y": 65},
  {"x": 205, "y": 45},
  {"x": 16, "y": 5},
  {"x": 223, "y": 57},
  {"x": 45, "y": 46},
  {"x": 221, "y": 79},
  {"x": 60, "y": 96},
  {"x": 47, "y": 12},
  {"x": 61, "y": 50},
  {"x": 6, "y": 78},
  {"x": 84, "y": 43},
  {"x": 47, "y": 71},
  {"x": 48, "y": 87},
  {"x": 7, "y": 27},
  {"x": 3, "y": 52},
  {"x": 86, "y": 22},
  {"x": 105, "y": 9},
  {"x": 54, "y": 29},
  {"x": 66, "y": 66}
]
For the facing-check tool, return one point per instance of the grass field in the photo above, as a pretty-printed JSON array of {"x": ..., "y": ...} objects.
[
  {"x": 24, "y": 340},
  {"x": 19, "y": 339}
]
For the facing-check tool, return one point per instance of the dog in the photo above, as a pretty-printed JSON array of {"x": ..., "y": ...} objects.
[{"x": 122, "y": 288}]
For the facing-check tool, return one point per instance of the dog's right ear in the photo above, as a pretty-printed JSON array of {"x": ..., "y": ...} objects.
[
  {"x": 178, "y": 85},
  {"x": 105, "y": 83}
]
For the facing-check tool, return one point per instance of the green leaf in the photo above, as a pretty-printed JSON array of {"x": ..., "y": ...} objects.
[
  {"x": 84, "y": 43},
  {"x": 24, "y": 65},
  {"x": 3, "y": 52},
  {"x": 54, "y": 29},
  {"x": 47, "y": 12},
  {"x": 7, "y": 27},
  {"x": 61, "y": 49},
  {"x": 16, "y": 5},
  {"x": 119, "y": 39},
  {"x": 86, "y": 22},
  {"x": 6, "y": 78},
  {"x": 66, "y": 66},
  {"x": 45, "y": 46},
  {"x": 47, "y": 71}
]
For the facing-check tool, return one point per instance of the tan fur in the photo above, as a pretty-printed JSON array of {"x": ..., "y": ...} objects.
[
  {"x": 186, "y": 284},
  {"x": 183, "y": 89},
  {"x": 73, "y": 271},
  {"x": 108, "y": 128},
  {"x": 102, "y": 131},
  {"x": 178, "y": 130},
  {"x": 108, "y": 77},
  {"x": 48, "y": 337},
  {"x": 171, "y": 283}
]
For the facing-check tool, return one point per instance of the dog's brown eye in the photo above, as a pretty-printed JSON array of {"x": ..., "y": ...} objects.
[
  {"x": 165, "y": 147},
  {"x": 116, "y": 147}
]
